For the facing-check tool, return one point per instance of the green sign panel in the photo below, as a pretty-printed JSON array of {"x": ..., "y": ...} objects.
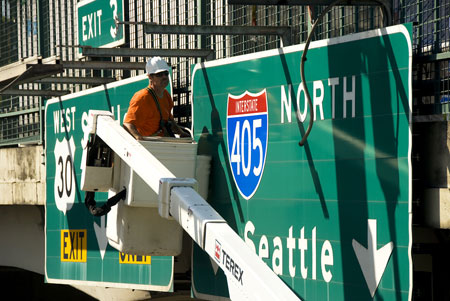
[
  {"x": 331, "y": 218},
  {"x": 77, "y": 250},
  {"x": 97, "y": 23}
]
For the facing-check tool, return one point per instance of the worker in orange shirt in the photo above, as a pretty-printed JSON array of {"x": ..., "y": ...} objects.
[{"x": 150, "y": 110}]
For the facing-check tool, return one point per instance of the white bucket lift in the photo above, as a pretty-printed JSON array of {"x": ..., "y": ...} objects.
[
  {"x": 134, "y": 226},
  {"x": 146, "y": 225}
]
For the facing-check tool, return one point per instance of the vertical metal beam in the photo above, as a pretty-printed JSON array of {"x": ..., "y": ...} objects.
[
  {"x": 309, "y": 21},
  {"x": 437, "y": 49},
  {"x": 326, "y": 25},
  {"x": 41, "y": 121},
  {"x": 201, "y": 20},
  {"x": 420, "y": 28},
  {"x": 38, "y": 25},
  {"x": 19, "y": 30},
  {"x": 402, "y": 11},
  {"x": 436, "y": 26},
  {"x": 72, "y": 24}
]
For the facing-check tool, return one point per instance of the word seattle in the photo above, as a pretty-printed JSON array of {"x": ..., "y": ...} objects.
[{"x": 298, "y": 249}]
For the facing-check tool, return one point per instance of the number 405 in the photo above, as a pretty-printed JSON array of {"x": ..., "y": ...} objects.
[{"x": 241, "y": 152}]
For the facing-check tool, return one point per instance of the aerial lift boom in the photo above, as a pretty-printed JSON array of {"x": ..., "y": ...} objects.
[{"x": 249, "y": 278}]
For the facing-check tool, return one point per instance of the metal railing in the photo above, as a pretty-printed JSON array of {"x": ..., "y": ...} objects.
[{"x": 20, "y": 123}]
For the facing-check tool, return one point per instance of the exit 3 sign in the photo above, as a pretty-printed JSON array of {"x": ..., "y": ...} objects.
[{"x": 97, "y": 23}]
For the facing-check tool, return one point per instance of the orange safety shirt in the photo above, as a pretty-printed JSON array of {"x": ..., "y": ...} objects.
[{"x": 143, "y": 112}]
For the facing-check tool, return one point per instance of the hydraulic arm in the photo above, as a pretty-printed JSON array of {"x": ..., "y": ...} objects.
[{"x": 249, "y": 278}]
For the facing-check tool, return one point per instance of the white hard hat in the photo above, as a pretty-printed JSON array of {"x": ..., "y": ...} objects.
[{"x": 156, "y": 65}]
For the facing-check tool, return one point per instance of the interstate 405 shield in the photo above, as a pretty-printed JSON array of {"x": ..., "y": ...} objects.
[{"x": 247, "y": 139}]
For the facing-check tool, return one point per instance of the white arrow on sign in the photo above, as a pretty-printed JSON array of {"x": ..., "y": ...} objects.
[
  {"x": 372, "y": 261},
  {"x": 100, "y": 232}
]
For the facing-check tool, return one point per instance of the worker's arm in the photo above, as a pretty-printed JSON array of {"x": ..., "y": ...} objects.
[{"x": 132, "y": 130}]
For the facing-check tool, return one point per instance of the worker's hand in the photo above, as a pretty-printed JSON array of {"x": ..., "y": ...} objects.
[{"x": 178, "y": 130}]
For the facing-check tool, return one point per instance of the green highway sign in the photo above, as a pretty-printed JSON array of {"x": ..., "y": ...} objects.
[
  {"x": 331, "y": 218},
  {"x": 97, "y": 23},
  {"x": 77, "y": 250}
]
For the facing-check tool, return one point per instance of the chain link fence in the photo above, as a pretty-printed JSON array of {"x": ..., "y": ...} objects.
[{"x": 20, "y": 117}]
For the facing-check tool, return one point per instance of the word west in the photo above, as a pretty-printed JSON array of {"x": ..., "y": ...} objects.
[
  {"x": 64, "y": 120},
  {"x": 302, "y": 253},
  {"x": 74, "y": 245},
  {"x": 338, "y": 87},
  {"x": 92, "y": 25}
]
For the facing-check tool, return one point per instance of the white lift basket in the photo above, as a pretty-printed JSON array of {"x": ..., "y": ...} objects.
[{"x": 134, "y": 226}]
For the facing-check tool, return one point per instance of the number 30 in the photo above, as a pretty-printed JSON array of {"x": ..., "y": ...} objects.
[{"x": 66, "y": 172}]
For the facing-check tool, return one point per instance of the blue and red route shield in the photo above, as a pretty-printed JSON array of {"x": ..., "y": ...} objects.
[{"x": 247, "y": 132}]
